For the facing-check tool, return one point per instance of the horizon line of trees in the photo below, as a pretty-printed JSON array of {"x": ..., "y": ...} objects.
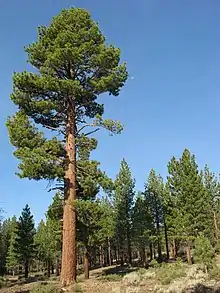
[{"x": 160, "y": 222}]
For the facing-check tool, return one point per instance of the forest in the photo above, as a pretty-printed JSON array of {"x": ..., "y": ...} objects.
[{"x": 166, "y": 231}]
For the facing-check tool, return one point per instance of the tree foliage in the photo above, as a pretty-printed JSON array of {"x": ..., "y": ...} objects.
[{"x": 24, "y": 245}]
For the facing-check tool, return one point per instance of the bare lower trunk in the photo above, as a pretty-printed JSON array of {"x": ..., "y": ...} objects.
[
  {"x": 26, "y": 269},
  {"x": 129, "y": 247},
  {"x": 109, "y": 252},
  {"x": 57, "y": 267},
  {"x": 166, "y": 239},
  {"x": 100, "y": 256},
  {"x": 48, "y": 269},
  {"x": 151, "y": 251},
  {"x": 174, "y": 250},
  {"x": 215, "y": 226},
  {"x": 143, "y": 256},
  {"x": 117, "y": 254},
  {"x": 68, "y": 269},
  {"x": 52, "y": 269},
  {"x": 159, "y": 243},
  {"x": 188, "y": 253},
  {"x": 86, "y": 265}
]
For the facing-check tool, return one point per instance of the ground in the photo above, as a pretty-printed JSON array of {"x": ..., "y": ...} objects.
[{"x": 168, "y": 278}]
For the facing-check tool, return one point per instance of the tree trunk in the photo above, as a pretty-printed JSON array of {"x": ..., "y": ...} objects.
[
  {"x": 86, "y": 265},
  {"x": 57, "y": 267},
  {"x": 174, "y": 250},
  {"x": 52, "y": 269},
  {"x": 117, "y": 254},
  {"x": 143, "y": 256},
  {"x": 121, "y": 256},
  {"x": 100, "y": 256},
  {"x": 109, "y": 252},
  {"x": 158, "y": 242},
  {"x": 151, "y": 251},
  {"x": 139, "y": 255},
  {"x": 68, "y": 269},
  {"x": 26, "y": 269},
  {"x": 215, "y": 226},
  {"x": 129, "y": 247},
  {"x": 188, "y": 253},
  {"x": 48, "y": 269},
  {"x": 166, "y": 239}
]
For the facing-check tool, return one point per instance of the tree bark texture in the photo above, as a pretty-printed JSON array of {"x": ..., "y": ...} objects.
[
  {"x": 129, "y": 246},
  {"x": 26, "y": 269},
  {"x": 188, "y": 253},
  {"x": 68, "y": 267},
  {"x": 166, "y": 239},
  {"x": 86, "y": 265},
  {"x": 215, "y": 226},
  {"x": 109, "y": 252}
]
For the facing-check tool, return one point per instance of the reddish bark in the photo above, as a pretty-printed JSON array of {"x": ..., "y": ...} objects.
[
  {"x": 68, "y": 269},
  {"x": 86, "y": 265}
]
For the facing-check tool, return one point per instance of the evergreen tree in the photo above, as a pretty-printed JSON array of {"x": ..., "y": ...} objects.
[
  {"x": 204, "y": 252},
  {"x": 141, "y": 225},
  {"x": 189, "y": 209},
  {"x": 48, "y": 243},
  {"x": 212, "y": 188},
  {"x": 12, "y": 258},
  {"x": 154, "y": 198},
  {"x": 89, "y": 214},
  {"x": 123, "y": 204},
  {"x": 74, "y": 66},
  {"x": 24, "y": 246},
  {"x": 6, "y": 229}
]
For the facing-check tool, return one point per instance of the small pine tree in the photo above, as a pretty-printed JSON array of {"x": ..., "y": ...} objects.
[
  {"x": 204, "y": 252},
  {"x": 24, "y": 240}
]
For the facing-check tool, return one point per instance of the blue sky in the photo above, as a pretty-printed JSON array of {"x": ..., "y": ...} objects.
[{"x": 172, "y": 101}]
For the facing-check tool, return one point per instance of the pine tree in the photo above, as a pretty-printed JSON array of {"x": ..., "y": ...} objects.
[
  {"x": 123, "y": 203},
  {"x": 141, "y": 225},
  {"x": 24, "y": 246},
  {"x": 154, "y": 198},
  {"x": 189, "y": 209},
  {"x": 212, "y": 187},
  {"x": 6, "y": 229},
  {"x": 89, "y": 214},
  {"x": 12, "y": 258},
  {"x": 48, "y": 243},
  {"x": 73, "y": 65}
]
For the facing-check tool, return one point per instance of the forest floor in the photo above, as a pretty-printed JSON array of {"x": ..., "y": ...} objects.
[{"x": 168, "y": 278}]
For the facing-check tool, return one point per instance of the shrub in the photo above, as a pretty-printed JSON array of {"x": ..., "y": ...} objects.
[
  {"x": 146, "y": 274},
  {"x": 78, "y": 288},
  {"x": 214, "y": 273},
  {"x": 168, "y": 272},
  {"x": 154, "y": 264},
  {"x": 45, "y": 288},
  {"x": 204, "y": 252},
  {"x": 111, "y": 277},
  {"x": 131, "y": 279}
]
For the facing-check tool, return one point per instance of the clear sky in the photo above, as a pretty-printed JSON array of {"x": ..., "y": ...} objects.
[{"x": 171, "y": 100}]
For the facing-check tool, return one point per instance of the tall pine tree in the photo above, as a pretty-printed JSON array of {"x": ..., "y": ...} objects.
[
  {"x": 141, "y": 226},
  {"x": 73, "y": 66},
  {"x": 123, "y": 203},
  {"x": 154, "y": 198},
  {"x": 189, "y": 209}
]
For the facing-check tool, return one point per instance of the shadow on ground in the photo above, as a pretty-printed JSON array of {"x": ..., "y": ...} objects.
[
  {"x": 119, "y": 270},
  {"x": 203, "y": 289}
]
